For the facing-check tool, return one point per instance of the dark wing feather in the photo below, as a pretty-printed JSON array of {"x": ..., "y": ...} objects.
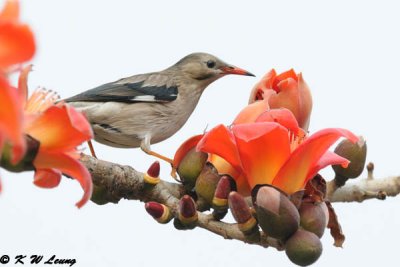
[{"x": 141, "y": 88}]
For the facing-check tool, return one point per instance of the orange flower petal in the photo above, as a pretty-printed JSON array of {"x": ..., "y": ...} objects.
[
  {"x": 223, "y": 167},
  {"x": 284, "y": 117},
  {"x": 294, "y": 173},
  {"x": 263, "y": 148},
  {"x": 184, "y": 149},
  {"x": 220, "y": 141},
  {"x": 296, "y": 96},
  {"x": 47, "y": 178},
  {"x": 69, "y": 166},
  {"x": 257, "y": 93},
  {"x": 329, "y": 158},
  {"x": 10, "y": 11},
  {"x": 60, "y": 128},
  {"x": 290, "y": 74},
  {"x": 17, "y": 44},
  {"x": 11, "y": 119}
]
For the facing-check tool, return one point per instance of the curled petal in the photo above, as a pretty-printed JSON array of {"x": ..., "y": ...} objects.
[
  {"x": 60, "y": 128},
  {"x": 263, "y": 148},
  {"x": 220, "y": 141},
  {"x": 281, "y": 81},
  {"x": 47, "y": 178},
  {"x": 329, "y": 158},
  {"x": 185, "y": 148},
  {"x": 258, "y": 91},
  {"x": 68, "y": 166},
  {"x": 294, "y": 173},
  {"x": 294, "y": 95}
]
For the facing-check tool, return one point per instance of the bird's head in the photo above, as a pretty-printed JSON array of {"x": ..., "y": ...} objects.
[{"x": 207, "y": 68}]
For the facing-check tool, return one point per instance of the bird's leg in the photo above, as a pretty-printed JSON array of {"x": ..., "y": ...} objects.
[
  {"x": 145, "y": 146},
  {"x": 91, "y": 149}
]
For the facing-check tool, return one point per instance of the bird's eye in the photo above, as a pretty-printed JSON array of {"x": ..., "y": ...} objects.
[{"x": 211, "y": 64}]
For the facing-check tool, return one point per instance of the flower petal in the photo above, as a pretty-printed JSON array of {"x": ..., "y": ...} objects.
[
  {"x": 284, "y": 76},
  {"x": 220, "y": 141},
  {"x": 10, "y": 11},
  {"x": 60, "y": 128},
  {"x": 329, "y": 158},
  {"x": 251, "y": 112},
  {"x": 284, "y": 117},
  {"x": 47, "y": 178},
  {"x": 69, "y": 166},
  {"x": 294, "y": 173},
  {"x": 11, "y": 119},
  {"x": 294, "y": 95},
  {"x": 257, "y": 93},
  {"x": 263, "y": 148},
  {"x": 17, "y": 43},
  {"x": 184, "y": 149}
]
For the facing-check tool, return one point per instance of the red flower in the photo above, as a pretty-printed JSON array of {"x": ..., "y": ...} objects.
[
  {"x": 286, "y": 90},
  {"x": 269, "y": 153},
  {"x": 59, "y": 129}
]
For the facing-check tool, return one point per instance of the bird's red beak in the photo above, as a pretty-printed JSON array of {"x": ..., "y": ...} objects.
[{"x": 235, "y": 70}]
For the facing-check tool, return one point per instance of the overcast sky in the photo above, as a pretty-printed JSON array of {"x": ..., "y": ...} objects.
[{"x": 348, "y": 52}]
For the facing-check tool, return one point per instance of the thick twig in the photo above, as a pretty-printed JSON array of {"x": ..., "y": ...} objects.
[
  {"x": 125, "y": 182},
  {"x": 363, "y": 189}
]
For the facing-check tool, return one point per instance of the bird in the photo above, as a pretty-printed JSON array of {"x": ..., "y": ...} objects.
[{"x": 145, "y": 109}]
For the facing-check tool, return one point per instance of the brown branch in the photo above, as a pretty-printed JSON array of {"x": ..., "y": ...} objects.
[{"x": 125, "y": 182}]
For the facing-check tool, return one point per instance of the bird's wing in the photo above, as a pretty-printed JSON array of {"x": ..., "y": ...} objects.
[{"x": 152, "y": 87}]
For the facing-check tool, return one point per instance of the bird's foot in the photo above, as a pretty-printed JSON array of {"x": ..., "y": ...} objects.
[
  {"x": 91, "y": 149},
  {"x": 155, "y": 154}
]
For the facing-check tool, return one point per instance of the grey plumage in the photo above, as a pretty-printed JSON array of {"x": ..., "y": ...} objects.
[{"x": 148, "y": 108}]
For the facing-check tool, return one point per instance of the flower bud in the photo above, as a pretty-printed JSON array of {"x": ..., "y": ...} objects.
[
  {"x": 224, "y": 187},
  {"x": 191, "y": 166},
  {"x": 206, "y": 183},
  {"x": 152, "y": 175},
  {"x": 241, "y": 212},
  {"x": 159, "y": 212},
  {"x": 303, "y": 248},
  {"x": 187, "y": 213},
  {"x": 276, "y": 214},
  {"x": 314, "y": 217},
  {"x": 356, "y": 153}
]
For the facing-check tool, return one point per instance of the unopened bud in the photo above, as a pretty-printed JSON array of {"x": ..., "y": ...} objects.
[
  {"x": 277, "y": 215},
  {"x": 224, "y": 187},
  {"x": 356, "y": 153},
  {"x": 207, "y": 182},
  {"x": 314, "y": 217},
  {"x": 153, "y": 173},
  {"x": 303, "y": 248},
  {"x": 159, "y": 212},
  {"x": 191, "y": 166},
  {"x": 241, "y": 212},
  {"x": 187, "y": 212}
]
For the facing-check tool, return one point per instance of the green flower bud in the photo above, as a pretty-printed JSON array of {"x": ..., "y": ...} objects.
[
  {"x": 206, "y": 183},
  {"x": 356, "y": 154},
  {"x": 276, "y": 214},
  {"x": 303, "y": 248},
  {"x": 314, "y": 217},
  {"x": 191, "y": 166}
]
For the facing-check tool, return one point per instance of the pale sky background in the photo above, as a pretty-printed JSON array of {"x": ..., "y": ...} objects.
[{"x": 348, "y": 52}]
